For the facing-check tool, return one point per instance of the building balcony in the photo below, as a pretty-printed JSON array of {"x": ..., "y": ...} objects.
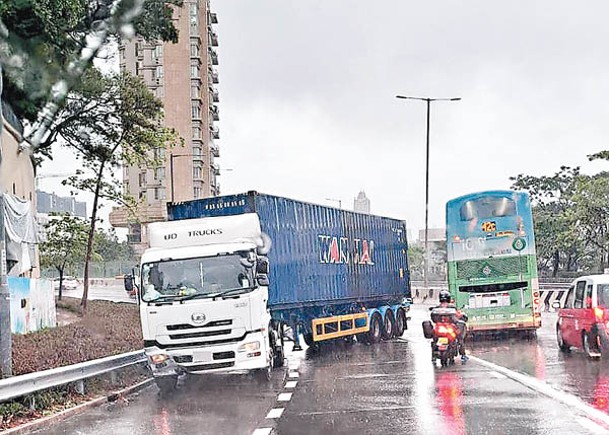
[
  {"x": 213, "y": 38},
  {"x": 212, "y": 76},
  {"x": 213, "y": 56},
  {"x": 215, "y": 95},
  {"x": 214, "y": 149},
  {"x": 121, "y": 217},
  {"x": 214, "y": 131},
  {"x": 213, "y": 18},
  {"x": 215, "y": 112},
  {"x": 215, "y": 169}
]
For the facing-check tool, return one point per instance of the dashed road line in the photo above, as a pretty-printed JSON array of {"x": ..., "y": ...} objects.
[
  {"x": 275, "y": 413},
  {"x": 284, "y": 397},
  {"x": 263, "y": 431},
  {"x": 293, "y": 375},
  {"x": 290, "y": 384}
]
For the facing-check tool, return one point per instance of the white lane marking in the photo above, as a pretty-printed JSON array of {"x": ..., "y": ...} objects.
[
  {"x": 290, "y": 384},
  {"x": 284, "y": 397},
  {"x": 263, "y": 431},
  {"x": 275, "y": 413},
  {"x": 498, "y": 375},
  {"x": 293, "y": 375},
  {"x": 590, "y": 425},
  {"x": 542, "y": 387}
]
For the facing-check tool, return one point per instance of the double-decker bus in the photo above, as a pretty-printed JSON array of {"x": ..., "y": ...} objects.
[{"x": 492, "y": 266}]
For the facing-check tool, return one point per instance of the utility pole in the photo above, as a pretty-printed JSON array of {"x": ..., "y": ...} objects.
[
  {"x": 426, "y": 260},
  {"x": 6, "y": 360}
]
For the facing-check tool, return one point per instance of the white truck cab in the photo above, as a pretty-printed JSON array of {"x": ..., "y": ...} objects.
[{"x": 203, "y": 299}]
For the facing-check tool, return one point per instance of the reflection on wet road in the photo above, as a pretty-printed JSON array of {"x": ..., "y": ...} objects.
[
  {"x": 394, "y": 388},
  {"x": 391, "y": 387},
  {"x": 571, "y": 372}
]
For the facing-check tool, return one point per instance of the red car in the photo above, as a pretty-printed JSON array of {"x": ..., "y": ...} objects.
[{"x": 583, "y": 321}]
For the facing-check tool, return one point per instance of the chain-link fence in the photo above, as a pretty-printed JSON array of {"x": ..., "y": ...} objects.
[{"x": 103, "y": 269}]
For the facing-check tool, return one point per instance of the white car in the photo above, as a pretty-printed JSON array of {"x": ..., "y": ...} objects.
[{"x": 69, "y": 283}]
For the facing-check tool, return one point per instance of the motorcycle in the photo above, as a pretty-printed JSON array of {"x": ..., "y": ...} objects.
[{"x": 442, "y": 330}]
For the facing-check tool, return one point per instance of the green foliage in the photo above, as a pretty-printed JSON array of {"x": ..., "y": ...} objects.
[
  {"x": 110, "y": 249},
  {"x": 65, "y": 244},
  {"x": 111, "y": 120},
  {"x": 570, "y": 218},
  {"x": 46, "y": 36}
]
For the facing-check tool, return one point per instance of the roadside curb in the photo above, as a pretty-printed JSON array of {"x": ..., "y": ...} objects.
[{"x": 56, "y": 418}]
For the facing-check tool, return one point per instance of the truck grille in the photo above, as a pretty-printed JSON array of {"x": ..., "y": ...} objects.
[
  {"x": 224, "y": 355},
  {"x": 200, "y": 367},
  {"x": 207, "y": 325},
  {"x": 492, "y": 268},
  {"x": 201, "y": 334}
]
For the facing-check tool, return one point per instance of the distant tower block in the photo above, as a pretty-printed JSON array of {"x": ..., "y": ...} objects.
[{"x": 361, "y": 204}]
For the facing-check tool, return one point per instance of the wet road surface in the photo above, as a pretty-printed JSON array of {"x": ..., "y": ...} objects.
[{"x": 391, "y": 387}]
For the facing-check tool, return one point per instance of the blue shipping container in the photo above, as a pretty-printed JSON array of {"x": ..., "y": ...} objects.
[{"x": 323, "y": 261}]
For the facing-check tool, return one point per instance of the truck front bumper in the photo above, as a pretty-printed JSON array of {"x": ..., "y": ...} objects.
[{"x": 249, "y": 354}]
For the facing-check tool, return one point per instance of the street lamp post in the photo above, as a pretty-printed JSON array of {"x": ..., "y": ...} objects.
[{"x": 426, "y": 256}]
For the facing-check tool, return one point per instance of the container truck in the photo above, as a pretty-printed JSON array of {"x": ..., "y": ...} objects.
[{"x": 225, "y": 276}]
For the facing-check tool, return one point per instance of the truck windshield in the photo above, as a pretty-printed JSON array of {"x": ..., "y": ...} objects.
[{"x": 192, "y": 277}]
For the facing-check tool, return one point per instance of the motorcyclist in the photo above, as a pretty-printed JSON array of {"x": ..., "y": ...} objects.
[{"x": 461, "y": 318}]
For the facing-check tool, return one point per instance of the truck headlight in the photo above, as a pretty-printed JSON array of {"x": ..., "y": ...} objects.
[
  {"x": 158, "y": 358},
  {"x": 249, "y": 347}
]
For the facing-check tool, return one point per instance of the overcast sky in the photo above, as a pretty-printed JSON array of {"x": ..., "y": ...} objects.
[{"x": 308, "y": 108}]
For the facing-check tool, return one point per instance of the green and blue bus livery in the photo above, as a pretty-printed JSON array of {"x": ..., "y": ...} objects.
[{"x": 492, "y": 266}]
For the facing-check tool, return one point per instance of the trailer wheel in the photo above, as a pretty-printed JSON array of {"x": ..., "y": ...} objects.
[
  {"x": 400, "y": 322},
  {"x": 388, "y": 325},
  {"x": 376, "y": 328}
]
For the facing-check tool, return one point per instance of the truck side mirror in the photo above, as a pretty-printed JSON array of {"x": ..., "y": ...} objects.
[
  {"x": 128, "y": 282},
  {"x": 262, "y": 279},
  {"x": 262, "y": 266}
]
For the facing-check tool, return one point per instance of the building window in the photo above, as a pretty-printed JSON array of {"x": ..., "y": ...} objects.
[
  {"x": 194, "y": 70},
  {"x": 196, "y": 111},
  {"x": 159, "y": 173},
  {"x": 157, "y": 52},
  {"x": 195, "y": 91},
  {"x": 196, "y": 132},
  {"x": 159, "y": 154},
  {"x": 194, "y": 49},
  {"x": 142, "y": 178},
  {"x": 196, "y": 172},
  {"x": 159, "y": 72},
  {"x": 159, "y": 193},
  {"x": 197, "y": 192},
  {"x": 196, "y": 151},
  {"x": 194, "y": 18}
]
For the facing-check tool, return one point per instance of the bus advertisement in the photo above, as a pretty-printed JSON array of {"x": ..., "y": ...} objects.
[{"x": 492, "y": 266}]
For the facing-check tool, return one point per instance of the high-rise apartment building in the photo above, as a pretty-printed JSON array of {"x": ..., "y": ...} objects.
[{"x": 183, "y": 76}]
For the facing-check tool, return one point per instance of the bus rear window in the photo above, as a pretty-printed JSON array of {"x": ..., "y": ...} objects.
[
  {"x": 603, "y": 295},
  {"x": 485, "y": 208},
  {"x": 492, "y": 288}
]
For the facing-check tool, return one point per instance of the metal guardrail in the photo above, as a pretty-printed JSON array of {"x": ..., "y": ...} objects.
[{"x": 22, "y": 385}]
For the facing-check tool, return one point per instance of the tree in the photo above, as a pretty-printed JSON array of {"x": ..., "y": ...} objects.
[
  {"x": 65, "y": 244},
  {"x": 46, "y": 46},
  {"x": 416, "y": 257},
  {"x": 551, "y": 200},
  {"x": 111, "y": 120},
  {"x": 109, "y": 248}
]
